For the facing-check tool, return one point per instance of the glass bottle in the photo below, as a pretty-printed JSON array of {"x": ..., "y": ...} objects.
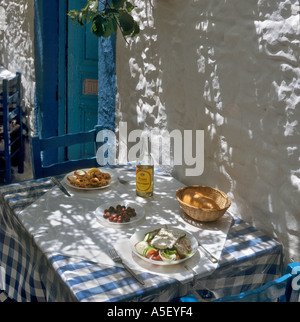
[{"x": 144, "y": 171}]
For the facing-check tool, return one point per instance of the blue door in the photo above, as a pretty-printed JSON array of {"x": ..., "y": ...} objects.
[{"x": 81, "y": 82}]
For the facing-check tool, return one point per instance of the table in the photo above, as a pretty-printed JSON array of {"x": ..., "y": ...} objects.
[{"x": 33, "y": 270}]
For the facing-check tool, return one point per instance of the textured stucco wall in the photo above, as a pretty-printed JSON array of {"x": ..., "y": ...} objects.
[
  {"x": 230, "y": 68},
  {"x": 16, "y": 48}
]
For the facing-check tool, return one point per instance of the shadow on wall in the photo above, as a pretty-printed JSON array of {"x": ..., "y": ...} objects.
[
  {"x": 16, "y": 54},
  {"x": 139, "y": 81},
  {"x": 230, "y": 69},
  {"x": 238, "y": 79}
]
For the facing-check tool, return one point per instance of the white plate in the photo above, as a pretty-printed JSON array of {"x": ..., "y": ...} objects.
[
  {"x": 140, "y": 235},
  {"x": 140, "y": 212},
  {"x": 113, "y": 179}
]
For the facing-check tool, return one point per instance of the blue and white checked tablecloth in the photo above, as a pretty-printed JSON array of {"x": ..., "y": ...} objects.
[{"x": 249, "y": 258}]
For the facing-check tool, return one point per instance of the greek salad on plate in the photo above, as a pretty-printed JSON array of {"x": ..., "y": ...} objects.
[{"x": 163, "y": 246}]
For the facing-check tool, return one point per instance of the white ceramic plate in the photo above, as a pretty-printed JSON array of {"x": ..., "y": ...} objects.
[
  {"x": 139, "y": 236},
  {"x": 140, "y": 212},
  {"x": 113, "y": 179}
]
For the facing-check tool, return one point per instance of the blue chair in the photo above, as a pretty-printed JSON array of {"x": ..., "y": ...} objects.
[
  {"x": 38, "y": 146},
  {"x": 12, "y": 127},
  {"x": 284, "y": 289}
]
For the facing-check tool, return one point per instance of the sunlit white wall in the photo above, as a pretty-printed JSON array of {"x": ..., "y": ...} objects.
[
  {"x": 230, "y": 68},
  {"x": 17, "y": 50},
  {"x": 17, "y": 54}
]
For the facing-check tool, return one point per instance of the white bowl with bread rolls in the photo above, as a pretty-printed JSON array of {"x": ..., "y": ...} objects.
[{"x": 203, "y": 203}]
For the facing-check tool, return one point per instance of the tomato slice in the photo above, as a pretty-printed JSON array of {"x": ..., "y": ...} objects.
[
  {"x": 157, "y": 257},
  {"x": 151, "y": 253}
]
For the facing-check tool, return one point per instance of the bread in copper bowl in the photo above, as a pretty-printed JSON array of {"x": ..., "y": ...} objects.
[{"x": 203, "y": 203}]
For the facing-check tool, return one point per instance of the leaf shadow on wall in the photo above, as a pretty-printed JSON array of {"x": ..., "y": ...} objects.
[{"x": 233, "y": 77}]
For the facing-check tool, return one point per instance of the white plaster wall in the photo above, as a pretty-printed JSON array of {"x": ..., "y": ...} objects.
[
  {"x": 230, "y": 68},
  {"x": 17, "y": 54},
  {"x": 17, "y": 49}
]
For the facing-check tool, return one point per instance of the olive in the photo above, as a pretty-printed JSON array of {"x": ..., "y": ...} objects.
[
  {"x": 119, "y": 214},
  {"x": 106, "y": 215},
  {"x": 126, "y": 218}
]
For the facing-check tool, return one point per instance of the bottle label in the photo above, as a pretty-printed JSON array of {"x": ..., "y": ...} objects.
[{"x": 144, "y": 180}]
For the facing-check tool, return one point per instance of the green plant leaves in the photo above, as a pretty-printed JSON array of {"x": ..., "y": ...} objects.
[
  {"x": 126, "y": 23},
  {"x": 107, "y": 20},
  {"x": 77, "y": 17},
  {"x": 92, "y": 5},
  {"x": 103, "y": 27},
  {"x": 136, "y": 29},
  {"x": 129, "y": 6},
  {"x": 117, "y": 4}
]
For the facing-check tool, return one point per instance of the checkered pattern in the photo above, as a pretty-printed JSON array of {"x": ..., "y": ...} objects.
[
  {"x": 91, "y": 281},
  {"x": 4, "y": 298},
  {"x": 22, "y": 261},
  {"x": 249, "y": 259}
]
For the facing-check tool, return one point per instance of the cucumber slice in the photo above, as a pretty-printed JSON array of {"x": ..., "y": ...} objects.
[
  {"x": 71, "y": 177},
  {"x": 141, "y": 246},
  {"x": 151, "y": 234},
  {"x": 79, "y": 173},
  {"x": 147, "y": 250}
]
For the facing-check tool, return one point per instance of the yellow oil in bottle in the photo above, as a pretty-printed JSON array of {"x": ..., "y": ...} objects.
[
  {"x": 144, "y": 171},
  {"x": 144, "y": 180}
]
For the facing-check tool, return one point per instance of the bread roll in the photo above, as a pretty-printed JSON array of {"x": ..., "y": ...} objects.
[{"x": 197, "y": 199}]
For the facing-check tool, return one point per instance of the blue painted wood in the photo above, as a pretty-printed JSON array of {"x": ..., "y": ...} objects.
[
  {"x": 12, "y": 110},
  {"x": 107, "y": 82},
  {"x": 62, "y": 67},
  {"x": 38, "y": 62},
  {"x": 39, "y": 146},
  {"x": 46, "y": 70},
  {"x": 82, "y": 108},
  {"x": 64, "y": 57}
]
